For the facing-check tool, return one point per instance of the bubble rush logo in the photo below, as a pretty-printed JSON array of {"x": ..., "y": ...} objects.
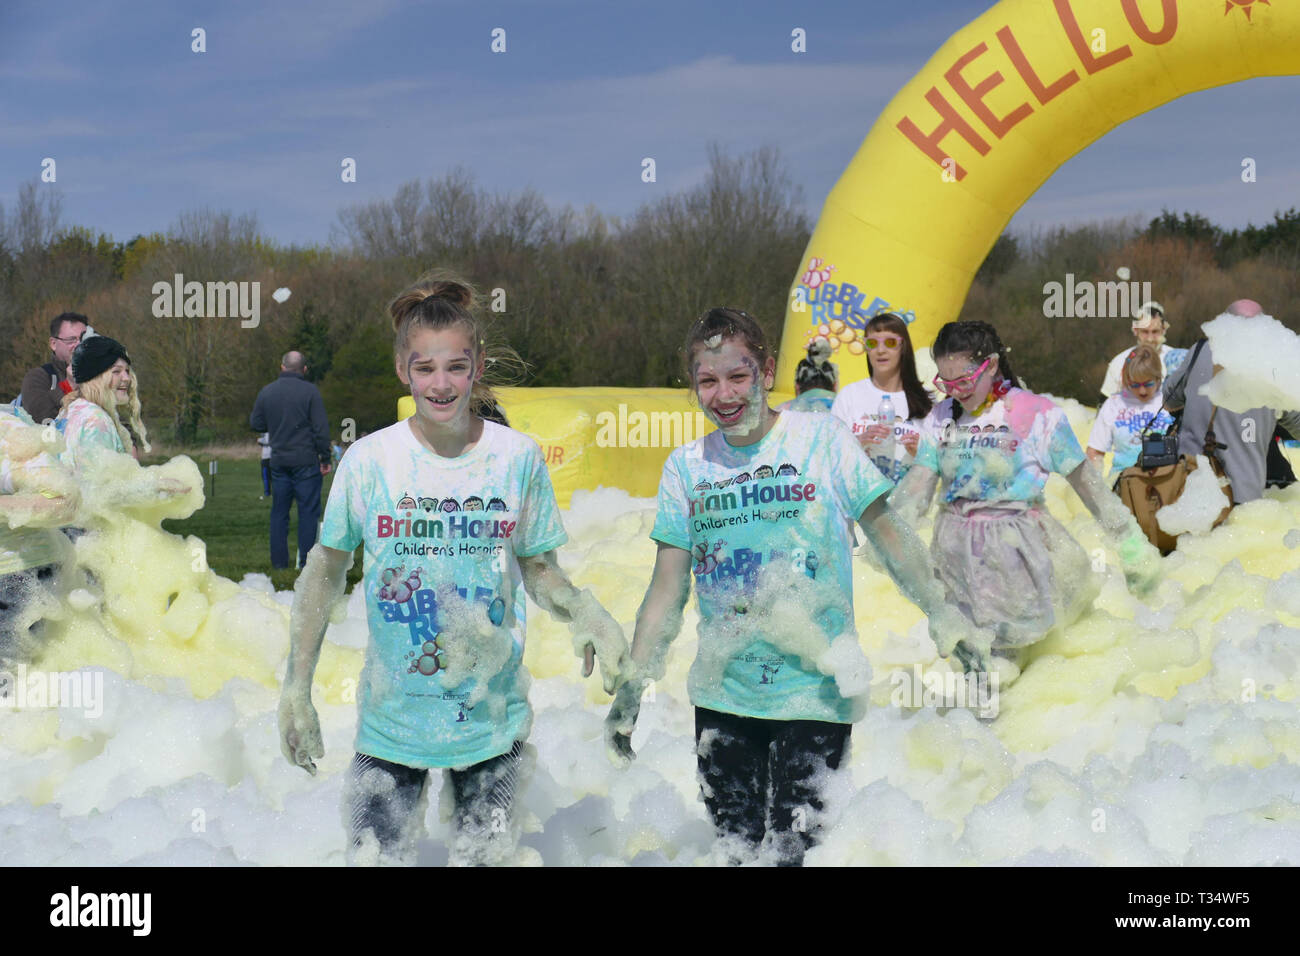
[
  {"x": 945, "y": 689},
  {"x": 82, "y": 690},
  {"x": 1094, "y": 300},
  {"x": 838, "y": 314},
  {"x": 193, "y": 300},
  {"x": 648, "y": 429}
]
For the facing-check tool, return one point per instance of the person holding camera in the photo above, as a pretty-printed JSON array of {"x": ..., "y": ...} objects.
[{"x": 1138, "y": 408}]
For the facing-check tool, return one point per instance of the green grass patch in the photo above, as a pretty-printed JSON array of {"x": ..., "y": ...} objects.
[{"x": 236, "y": 525}]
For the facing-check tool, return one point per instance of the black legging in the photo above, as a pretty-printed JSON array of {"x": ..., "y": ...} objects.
[
  {"x": 484, "y": 796},
  {"x": 757, "y": 776}
]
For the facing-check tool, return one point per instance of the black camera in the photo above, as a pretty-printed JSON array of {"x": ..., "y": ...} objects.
[{"x": 1158, "y": 451}]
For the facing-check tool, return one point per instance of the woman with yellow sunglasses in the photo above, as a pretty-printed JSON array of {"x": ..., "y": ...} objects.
[{"x": 885, "y": 411}]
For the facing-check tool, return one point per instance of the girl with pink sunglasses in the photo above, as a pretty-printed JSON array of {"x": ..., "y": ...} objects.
[{"x": 1005, "y": 562}]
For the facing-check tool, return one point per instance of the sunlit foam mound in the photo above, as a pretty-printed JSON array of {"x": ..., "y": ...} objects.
[{"x": 1157, "y": 732}]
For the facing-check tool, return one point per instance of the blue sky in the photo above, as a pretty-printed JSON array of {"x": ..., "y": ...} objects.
[{"x": 143, "y": 129}]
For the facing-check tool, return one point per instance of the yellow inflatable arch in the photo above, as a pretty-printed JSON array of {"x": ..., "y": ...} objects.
[
  {"x": 1000, "y": 106},
  {"x": 1006, "y": 101}
]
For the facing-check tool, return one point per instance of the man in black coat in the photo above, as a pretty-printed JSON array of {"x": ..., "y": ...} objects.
[
  {"x": 292, "y": 410},
  {"x": 43, "y": 388}
]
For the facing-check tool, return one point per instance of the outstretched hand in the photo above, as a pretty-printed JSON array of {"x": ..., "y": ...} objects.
[
  {"x": 1140, "y": 560},
  {"x": 620, "y": 722},
  {"x": 955, "y": 635},
  {"x": 300, "y": 737},
  {"x": 597, "y": 636}
]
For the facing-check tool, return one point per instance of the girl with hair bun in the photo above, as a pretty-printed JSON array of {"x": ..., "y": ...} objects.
[
  {"x": 1005, "y": 562},
  {"x": 444, "y": 684}
]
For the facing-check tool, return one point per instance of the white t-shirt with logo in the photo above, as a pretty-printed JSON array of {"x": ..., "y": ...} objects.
[
  {"x": 858, "y": 406},
  {"x": 1119, "y": 425},
  {"x": 442, "y": 536}
]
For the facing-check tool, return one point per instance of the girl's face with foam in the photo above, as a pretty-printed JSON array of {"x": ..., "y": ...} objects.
[
  {"x": 961, "y": 365},
  {"x": 730, "y": 384},
  {"x": 440, "y": 368}
]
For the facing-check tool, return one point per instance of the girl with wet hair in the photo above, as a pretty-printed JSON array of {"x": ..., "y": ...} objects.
[
  {"x": 891, "y": 362},
  {"x": 757, "y": 514},
  {"x": 1004, "y": 561},
  {"x": 444, "y": 684}
]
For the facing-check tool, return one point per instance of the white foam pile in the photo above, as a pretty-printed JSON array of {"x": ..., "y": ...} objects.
[{"x": 1163, "y": 732}]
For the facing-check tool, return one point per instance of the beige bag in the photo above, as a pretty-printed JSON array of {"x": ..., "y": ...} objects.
[{"x": 1145, "y": 491}]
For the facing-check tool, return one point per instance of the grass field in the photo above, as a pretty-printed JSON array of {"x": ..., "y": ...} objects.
[{"x": 236, "y": 524}]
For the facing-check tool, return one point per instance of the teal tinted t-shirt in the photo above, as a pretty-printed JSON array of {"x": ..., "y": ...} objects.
[
  {"x": 440, "y": 531},
  {"x": 768, "y": 529},
  {"x": 1006, "y": 454}
]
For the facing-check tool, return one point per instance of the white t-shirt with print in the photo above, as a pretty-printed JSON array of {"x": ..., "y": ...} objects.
[
  {"x": 1119, "y": 425},
  {"x": 858, "y": 406}
]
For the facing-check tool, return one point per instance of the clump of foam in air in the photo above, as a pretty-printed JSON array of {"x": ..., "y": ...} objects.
[{"x": 1260, "y": 359}]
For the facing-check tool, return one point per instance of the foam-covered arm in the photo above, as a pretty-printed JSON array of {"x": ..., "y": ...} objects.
[
  {"x": 907, "y": 561},
  {"x": 658, "y": 622},
  {"x": 1139, "y": 558},
  {"x": 595, "y": 632},
  {"x": 320, "y": 585},
  {"x": 42, "y": 498},
  {"x": 911, "y": 499}
]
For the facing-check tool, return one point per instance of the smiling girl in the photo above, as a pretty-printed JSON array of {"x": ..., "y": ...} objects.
[
  {"x": 458, "y": 520},
  {"x": 103, "y": 409},
  {"x": 1006, "y": 563},
  {"x": 758, "y": 515}
]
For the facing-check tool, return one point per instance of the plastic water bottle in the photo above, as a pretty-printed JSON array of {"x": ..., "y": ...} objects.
[{"x": 885, "y": 448}]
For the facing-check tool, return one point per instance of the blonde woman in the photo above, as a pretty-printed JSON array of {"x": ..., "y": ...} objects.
[
  {"x": 103, "y": 408},
  {"x": 102, "y": 413}
]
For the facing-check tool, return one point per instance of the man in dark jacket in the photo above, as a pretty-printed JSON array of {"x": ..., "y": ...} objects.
[
  {"x": 291, "y": 409},
  {"x": 43, "y": 392}
]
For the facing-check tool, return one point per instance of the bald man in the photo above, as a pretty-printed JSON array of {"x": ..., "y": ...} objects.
[
  {"x": 1245, "y": 461},
  {"x": 292, "y": 410}
]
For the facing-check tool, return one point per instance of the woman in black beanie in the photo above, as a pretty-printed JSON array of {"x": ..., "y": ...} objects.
[{"x": 103, "y": 409}]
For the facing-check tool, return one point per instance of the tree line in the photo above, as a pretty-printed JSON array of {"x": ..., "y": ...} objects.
[{"x": 588, "y": 299}]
